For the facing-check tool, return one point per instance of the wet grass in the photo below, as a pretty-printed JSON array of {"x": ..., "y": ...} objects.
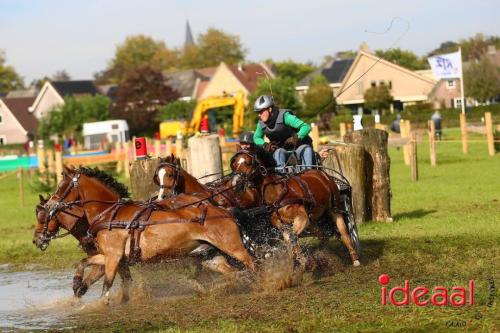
[{"x": 445, "y": 232}]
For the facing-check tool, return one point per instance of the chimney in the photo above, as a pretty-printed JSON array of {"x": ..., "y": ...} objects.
[{"x": 364, "y": 47}]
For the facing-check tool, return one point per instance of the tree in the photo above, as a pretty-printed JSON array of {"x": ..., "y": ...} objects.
[
  {"x": 138, "y": 51},
  {"x": 214, "y": 46},
  {"x": 473, "y": 48},
  {"x": 482, "y": 80},
  {"x": 319, "y": 101},
  {"x": 283, "y": 92},
  {"x": 291, "y": 69},
  {"x": 378, "y": 98},
  {"x": 9, "y": 79},
  {"x": 61, "y": 75},
  {"x": 139, "y": 97},
  {"x": 176, "y": 110},
  {"x": 67, "y": 119},
  {"x": 403, "y": 58}
]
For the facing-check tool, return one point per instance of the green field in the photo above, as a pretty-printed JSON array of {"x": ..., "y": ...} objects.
[{"x": 445, "y": 232}]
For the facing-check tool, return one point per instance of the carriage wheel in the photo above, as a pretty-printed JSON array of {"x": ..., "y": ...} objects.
[{"x": 350, "y": 223}]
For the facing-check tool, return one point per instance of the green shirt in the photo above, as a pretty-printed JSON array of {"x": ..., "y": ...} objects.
[{"x": 289, "y": 120}]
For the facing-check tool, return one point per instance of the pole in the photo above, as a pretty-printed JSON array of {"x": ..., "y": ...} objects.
[
  {"x": 21, "y": 186},
  {"x": 489, "y": 133},
  {"x": 462, "y": 80},
  {"x": 413, "y": 158},
  {"x": 432, "y": 142}
]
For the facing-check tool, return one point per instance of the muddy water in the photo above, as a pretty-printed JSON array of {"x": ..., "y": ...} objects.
[{"x": 37, "y": 300}]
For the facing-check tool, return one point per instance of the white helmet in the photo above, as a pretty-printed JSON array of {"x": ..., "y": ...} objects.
[{"x": 263, "y": 102}]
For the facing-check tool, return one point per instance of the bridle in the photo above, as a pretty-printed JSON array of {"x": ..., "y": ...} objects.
[
  {"x": 59, "y": 207},
  {"x": 177, "y": 175},
  {"x": 258, "y": 169}
]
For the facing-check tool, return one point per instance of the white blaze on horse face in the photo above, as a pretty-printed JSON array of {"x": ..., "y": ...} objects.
[
  {"x": 161, "y": 174},
  {"x": 241, "y": 161}
]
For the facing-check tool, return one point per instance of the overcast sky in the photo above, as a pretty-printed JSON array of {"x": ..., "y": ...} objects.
[{"x": 41, "y": 37}]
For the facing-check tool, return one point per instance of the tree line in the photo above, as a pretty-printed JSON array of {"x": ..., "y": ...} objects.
[{"x": 144, "y": 99}]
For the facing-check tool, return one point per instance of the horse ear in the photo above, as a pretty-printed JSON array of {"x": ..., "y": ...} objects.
[{"x": 42, "y": 199}]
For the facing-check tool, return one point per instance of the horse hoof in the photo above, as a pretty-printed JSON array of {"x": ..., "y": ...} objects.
[
  {"x": 81, "y": 291},
  {"x": 356, "y": 263}
]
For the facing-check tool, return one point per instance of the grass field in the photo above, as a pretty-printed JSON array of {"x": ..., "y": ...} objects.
[{"x": 445, "y": 232}]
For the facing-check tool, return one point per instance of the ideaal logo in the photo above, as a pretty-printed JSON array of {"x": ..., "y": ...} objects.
[{"x": 439, "y": 295}]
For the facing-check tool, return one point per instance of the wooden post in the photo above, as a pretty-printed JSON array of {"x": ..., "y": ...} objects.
[
  {"x": 178, "y": 148},
  {"x": 343, "y": 131},
  {"x": 141, "y": 179},
  {"x": 134, "y": 154},
  {"x": 463, "y": 130},
  {"x": 205, "y": 157},
  {"x": 50, "y": 161},
  {"x": 119, "y": 157},
  {"x": 169, "y": 148},
  {"x": 41, "y": 158},
  {"x": 157, "y": 144},
  {"x": 489, "y": 133},
  {"x": 59, "y": 165},
  {"x": 21, "y": 186},
  {"x": 432, "y": 142},
  {"x": 223, "y": 143},
  {"x": 406, "y": 129},
  {"x": 352, "y": 166},
  {"x": 126, "y": 161},
  {"x": 414, "y": 159},
  {"x": 377, "y": 170},
  {"x": 315, "y": 136}
]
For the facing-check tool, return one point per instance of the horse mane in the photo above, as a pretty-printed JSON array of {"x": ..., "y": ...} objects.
[
  {"x": 106, "y": 180},
  {"x": 171, "y": 159}
]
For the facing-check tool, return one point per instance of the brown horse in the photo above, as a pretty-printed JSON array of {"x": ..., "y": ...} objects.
[
  {"x": 173, "y": 179},
  {"x": 124, "y": 231},
  {"x": 301, "y": 201}
]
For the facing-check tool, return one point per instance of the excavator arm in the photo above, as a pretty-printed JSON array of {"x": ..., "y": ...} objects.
[{"x": 237, "y": 101}]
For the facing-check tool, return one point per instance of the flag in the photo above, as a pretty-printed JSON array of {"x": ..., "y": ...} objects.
[{"x": 446, "y": 66}]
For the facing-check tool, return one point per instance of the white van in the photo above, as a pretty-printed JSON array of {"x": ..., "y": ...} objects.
[{"x": 109, "y": 131}]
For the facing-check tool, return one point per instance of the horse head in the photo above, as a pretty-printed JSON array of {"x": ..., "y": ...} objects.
[
  {"x": 169, "y": 177},
  {"x": 65, "y": 208},
  {"x": 246, "y": 167}
]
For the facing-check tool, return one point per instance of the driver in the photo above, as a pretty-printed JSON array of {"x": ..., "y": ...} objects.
[{"x": 285, "y": 131}]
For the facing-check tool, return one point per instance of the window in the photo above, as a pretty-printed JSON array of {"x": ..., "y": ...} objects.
[
  {"x": 458, "y": 102},
  {"x": 390, "y": 84},
  {"x": 1, "y": 119},
  {"x": 114, "y": 126},
  {"x": 381, "y": 83},
  {"x": 374, "y": 84},
  {"x": 3, "y": 140},
  {"x": 450, "y": 84}
]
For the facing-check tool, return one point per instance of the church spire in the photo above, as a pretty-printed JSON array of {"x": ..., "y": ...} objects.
[{"x": 189, "y": 36}]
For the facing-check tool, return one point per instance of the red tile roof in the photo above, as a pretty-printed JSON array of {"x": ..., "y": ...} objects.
[{"x": 248, "y": 74}]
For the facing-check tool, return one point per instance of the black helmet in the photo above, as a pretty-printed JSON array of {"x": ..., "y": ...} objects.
[
  {"x": 246, "y": 137},
  {"x": 263, "y": 102}
]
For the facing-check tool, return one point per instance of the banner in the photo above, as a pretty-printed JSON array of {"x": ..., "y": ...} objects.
[{"x": 446, "y": 66}]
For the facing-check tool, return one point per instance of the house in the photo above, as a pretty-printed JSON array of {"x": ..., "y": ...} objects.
[
  {"x": 17, "y": 124},
  {"x": 189, "y": 83},
  {"x": 350, "y": 78},
  {"x": 53, "y": 93},
  {"x": 367, "y": 70},
  {"x": 334, "y": 71},
  {"x": 232, "y": 78}
]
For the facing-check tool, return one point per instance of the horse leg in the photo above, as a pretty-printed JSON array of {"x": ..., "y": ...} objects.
[
  {"x": 344, "y": 236},
  {"x": 80, "y": 286},
  {"x": 219, "y": 264},
  {"x": 124, "y": 271},
  {"x": 300, "y": 223},
  {"x": 234, "y": 247},
  {"x": 111, "y": 264}
]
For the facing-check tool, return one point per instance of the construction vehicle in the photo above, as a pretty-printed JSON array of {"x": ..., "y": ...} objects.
[{"x": 236, "y": 100}]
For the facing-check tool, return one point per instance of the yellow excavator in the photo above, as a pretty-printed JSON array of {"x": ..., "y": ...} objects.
[{"x": 237, "y": 100}]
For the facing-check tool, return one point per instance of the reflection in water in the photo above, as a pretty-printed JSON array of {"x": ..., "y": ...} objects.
[{"x": 35, "y": 300}]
